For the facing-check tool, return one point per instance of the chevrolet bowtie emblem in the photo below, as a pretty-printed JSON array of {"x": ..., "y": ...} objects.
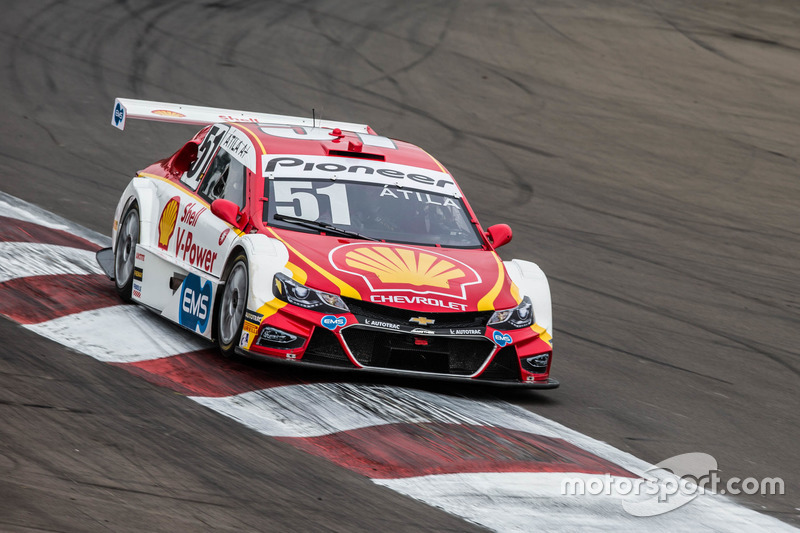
[{"x": 422, "y": 321}]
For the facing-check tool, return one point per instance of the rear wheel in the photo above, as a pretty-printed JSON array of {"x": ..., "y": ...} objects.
[
  {"x": 232, "y": 304},
  {"x": 125, "y": 253}
]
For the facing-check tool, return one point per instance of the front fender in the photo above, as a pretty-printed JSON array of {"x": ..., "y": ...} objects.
[
  {"x": 266, "y": 256},
  {"x": 531, "y": 282}
]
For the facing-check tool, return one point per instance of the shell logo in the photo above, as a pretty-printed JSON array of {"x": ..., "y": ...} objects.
[
  {"x": 166, "y": 224},
  {"x": 167, "y": 113},
  {"x": 397, "y": 268}
]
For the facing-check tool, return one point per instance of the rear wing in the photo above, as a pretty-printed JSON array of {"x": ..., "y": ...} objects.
[{"x": 125, "y": 108}]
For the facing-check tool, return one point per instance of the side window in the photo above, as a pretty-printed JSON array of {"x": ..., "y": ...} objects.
[{"x": 225, "y": 178}]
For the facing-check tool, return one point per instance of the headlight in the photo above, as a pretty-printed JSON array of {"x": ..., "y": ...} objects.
[
  {"x": 519, "y": 317},
  {"x": 286, "y": 289}
]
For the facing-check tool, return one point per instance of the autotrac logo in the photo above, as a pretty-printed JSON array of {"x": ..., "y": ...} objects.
[
  {"x": 166, "y": 224},
  {"x": 332, "y": 322},
  {"x": 195, "y": 303},
  {"x": 405, "y": 269},
  {"x": 502, "y": 339}
]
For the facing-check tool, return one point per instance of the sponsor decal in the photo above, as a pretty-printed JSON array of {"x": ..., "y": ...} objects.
[
  {"x": 192, "y": 253},
  {"x": 223, "y": 236},
  {"x": 139, "y": 256},
  {"x": 244, "y": 341},
  {"x": 167, "y": 113},
  {"x": 291, "y": 356},
  {"x": 119, "y": 114},
  {"x": 137, "y": 290},
  {"x": 138, "y": 273},
  {"x": 332, "y": 322},
  {"x": 502, "y": 339},
  {"x": 195, "y": 303},
  {"x": 420, "y": 331},
  {"x": 252, "y": 316},
  {"x": 380, "y": 324},
  {"x": 313, "y": 166},
  {"x": 466, "y": 332},
  {"x": 405, "y": 269},
  {"x": 420, "y": 300},
  {"x": 191, "y": 213},
  {"x": 166, "y": 224},
  {"x": 422, "y": 320},
  {"x": 250, "y": 327}
]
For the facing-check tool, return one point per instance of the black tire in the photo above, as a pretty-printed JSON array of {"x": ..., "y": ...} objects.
[
  {"x": 231, "y": 305},
  {"x": 125, "y": 252}
]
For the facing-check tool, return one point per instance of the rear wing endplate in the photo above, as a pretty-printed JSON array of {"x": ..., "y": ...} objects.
[{"x": 125, "y": 108}]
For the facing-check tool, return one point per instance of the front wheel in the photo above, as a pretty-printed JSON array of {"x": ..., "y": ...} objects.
[
  {"x": 125, "y": 253},
  {"x": 232, "y": 304}
]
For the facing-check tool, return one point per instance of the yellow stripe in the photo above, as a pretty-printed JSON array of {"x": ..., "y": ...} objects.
[
  {"x": 515, "y": 293},
  {"x": 245, "y": 128},
  {"x": 344, "y": 289},
  {"x": 546, "y": 337},
  {"x": 487, "y": 302},
  {"x": 298, "y": 274}
]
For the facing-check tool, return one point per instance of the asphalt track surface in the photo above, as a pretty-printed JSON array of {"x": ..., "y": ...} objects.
[{"x": 644, "y": 153}]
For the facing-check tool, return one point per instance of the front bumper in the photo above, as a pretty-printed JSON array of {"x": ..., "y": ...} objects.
[{"x": 378, "y": 339}]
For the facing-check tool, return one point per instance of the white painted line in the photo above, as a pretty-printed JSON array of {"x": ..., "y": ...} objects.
[
  {"x": 13, "y": 207},
  {"x": 23, "y": 259},
  {"x": 534, "y": 502},
  {"x": 120, "y": 334},
  {"x": 324, "y": 408}
]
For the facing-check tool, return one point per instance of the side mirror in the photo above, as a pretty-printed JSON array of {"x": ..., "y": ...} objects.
[
  {"x": 226, "y": 210},
  {"x": 499, "y": 234}
]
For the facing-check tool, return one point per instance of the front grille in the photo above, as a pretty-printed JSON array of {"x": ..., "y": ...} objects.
[
  {"x": 398, "y": 351},
  {"x": 324, "y": 348},
  {"x": 504, "y": 366},
  {"x": 374, "y": 311}
]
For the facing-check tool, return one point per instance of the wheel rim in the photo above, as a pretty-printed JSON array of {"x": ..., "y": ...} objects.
[
  {"x": 126, "y": 246},
  {"x": 232, "y": 307}
]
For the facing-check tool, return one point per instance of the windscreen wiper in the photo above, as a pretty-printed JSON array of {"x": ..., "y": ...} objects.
[{"x": 315, "y": 224}]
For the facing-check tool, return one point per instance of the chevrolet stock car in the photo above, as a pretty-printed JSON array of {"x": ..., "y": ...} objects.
[{"x": 324, "y": 243}]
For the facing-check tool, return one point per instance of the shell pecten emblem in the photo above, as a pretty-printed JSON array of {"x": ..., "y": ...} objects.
[
  {"x": 166, "y": 224},
  {"x": 397, "y": 268}
]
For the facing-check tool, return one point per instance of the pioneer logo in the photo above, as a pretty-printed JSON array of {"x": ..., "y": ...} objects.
[{"x": 331, "y": 166}]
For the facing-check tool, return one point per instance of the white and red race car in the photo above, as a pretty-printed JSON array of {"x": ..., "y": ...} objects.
[{"x": 324, "y": 243}]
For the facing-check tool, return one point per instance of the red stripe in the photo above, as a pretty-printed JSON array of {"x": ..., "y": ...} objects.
[
  {"x": 409, "y": 450},
  {"x": 15, "y": 230},
  {"x": 35, "y": 299},
  {"x": 207, "y": 373}
]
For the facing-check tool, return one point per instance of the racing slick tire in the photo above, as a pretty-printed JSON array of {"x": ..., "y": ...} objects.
[
  {"x": 232, "y": 305},
  {"x": 125, "y": 253}
]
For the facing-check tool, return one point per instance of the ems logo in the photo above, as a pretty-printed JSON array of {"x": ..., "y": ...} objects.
[
  {"x": 332, "y": 322},
  {"x": 502, "y": 339},
  {"x": 398, "y": 268},
  {"x": 119, "y": 114},
  {"x": 166, "y": 224},
  {"x": 195, "y": 304}
]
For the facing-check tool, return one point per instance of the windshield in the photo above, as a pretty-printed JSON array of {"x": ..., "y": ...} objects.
[{"x": 383, "y": 212}]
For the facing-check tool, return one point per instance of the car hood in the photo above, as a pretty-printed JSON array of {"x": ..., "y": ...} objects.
[{"x": 419, "y": 278}]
